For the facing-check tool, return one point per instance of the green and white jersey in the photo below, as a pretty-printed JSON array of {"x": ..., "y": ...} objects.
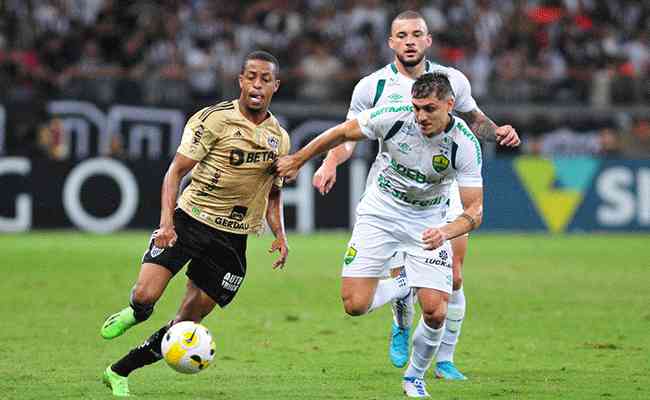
[
  {"x": 414, "y": 172},
  {"x": 388, "y": 86}
]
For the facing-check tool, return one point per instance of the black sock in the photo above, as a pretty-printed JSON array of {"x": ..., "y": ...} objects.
[{"x": 147, "y": 353}]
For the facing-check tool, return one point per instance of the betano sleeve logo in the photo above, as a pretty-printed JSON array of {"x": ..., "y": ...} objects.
[{"x": 556, "y": 187}]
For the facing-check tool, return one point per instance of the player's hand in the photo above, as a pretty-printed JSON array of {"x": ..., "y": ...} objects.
[
  {"x": 164, "y": 237},
  {"x": 325, "y": 177},
  {"x": 281, "y": 246},
  {"x": 287, "y": 167},
  {"x": 433, "y": 238},
  {"x": 507, "y": 136}
]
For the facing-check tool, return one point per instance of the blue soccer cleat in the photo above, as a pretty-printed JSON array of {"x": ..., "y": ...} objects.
[
  {"x": 447, "y": 370},
  {"x": 399, "y": 346}
]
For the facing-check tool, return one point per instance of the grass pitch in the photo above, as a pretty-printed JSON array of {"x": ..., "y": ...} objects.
[{"x": 565, "y": 317}]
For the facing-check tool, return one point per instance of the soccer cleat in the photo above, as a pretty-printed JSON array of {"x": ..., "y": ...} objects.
[
  {"x": 399, "y": 346},
  {"x": 119, "y": 385},
  {"x": 414, "y": 387},
  {"x": 447, "y": 370},
  {"x": 118, "y": 323}
]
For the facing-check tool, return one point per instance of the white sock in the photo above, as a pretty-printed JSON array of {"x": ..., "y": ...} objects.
[
  {"x": 455, "y": 316},
  {"x": 426, "y": 341},
  {"x": 389, "y": 290}
]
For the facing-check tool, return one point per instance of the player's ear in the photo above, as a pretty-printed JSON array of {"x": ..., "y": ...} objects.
[
  {"x": 429, "y": 41},
  {"x": 450, "y": 103},
  {"x": 240, "y": 79},
  {"x": 276, "y": 85},
  {"x": 391, "y": 43}
]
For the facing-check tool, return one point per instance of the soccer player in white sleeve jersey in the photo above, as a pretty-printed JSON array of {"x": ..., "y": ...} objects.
[
  {"x": 409, "y": 39},
  {"x": 404, "y": 209}
]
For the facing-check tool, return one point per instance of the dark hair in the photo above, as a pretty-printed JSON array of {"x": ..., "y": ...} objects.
[
  {"x": 408, "y": 14},
  {"x": 264, "y": 56},
  {"x": 435, "y": 83}
]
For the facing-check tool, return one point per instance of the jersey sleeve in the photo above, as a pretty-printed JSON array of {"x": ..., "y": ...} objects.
[
  {"x": 464, "y": 102},
  {"x": 284, "y": 149},
  {"x": 197, "y": 139},
  {"x": 469, "y": 162},
  {"x": 361, "y": 98}
]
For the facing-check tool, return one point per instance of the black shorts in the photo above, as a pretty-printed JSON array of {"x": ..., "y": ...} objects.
[{"x": 217, "y": 258}]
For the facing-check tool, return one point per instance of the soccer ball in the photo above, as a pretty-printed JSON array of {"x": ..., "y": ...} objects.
[{"x": 188, "y": 347}]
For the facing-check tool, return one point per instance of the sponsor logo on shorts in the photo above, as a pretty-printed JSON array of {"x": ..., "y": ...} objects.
[
  {"x": 443, "y": 255},
  {"x": 155, "y": 251},
  {"x": 350, "y": 255},
  {"x": 231, "y": 282},
  {"x": 440, "y": 162},
  {"x": 438, "y": 262}
]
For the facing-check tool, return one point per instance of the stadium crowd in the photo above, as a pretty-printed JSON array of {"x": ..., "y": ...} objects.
[
  {"x": 166, "y": 51},
  {"x": 180, "y": 53}
]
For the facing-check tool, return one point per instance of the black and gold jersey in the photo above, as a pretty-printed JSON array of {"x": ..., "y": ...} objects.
[{"x": 231, "y": 183}]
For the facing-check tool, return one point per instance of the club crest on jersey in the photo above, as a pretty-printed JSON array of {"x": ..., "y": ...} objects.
[
  {"x": 440, "y": 162},
  {"x": 273, "y": 142},
  {"x": 350, "y": 255}
]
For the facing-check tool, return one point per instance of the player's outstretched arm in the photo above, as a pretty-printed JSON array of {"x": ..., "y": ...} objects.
[
  {"x": 325, "y": 175},
  {"x": 486, "y": 130},
  {"x": 288, "y": 166},
  {"x": 470, "y": 219},
  {"x": 275, "y": 219},
  {"x": 180, "y": 166}
]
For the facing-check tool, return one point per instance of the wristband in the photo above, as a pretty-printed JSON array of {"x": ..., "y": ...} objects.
[{"x": 469, "y": 219}]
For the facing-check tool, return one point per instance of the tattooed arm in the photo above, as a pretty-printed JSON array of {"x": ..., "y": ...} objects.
[{"x": 486, "y": 130}]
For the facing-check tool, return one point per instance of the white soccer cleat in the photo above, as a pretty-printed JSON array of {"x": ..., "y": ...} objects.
[
  {"x": 404, "y": 309},
  {"x": 414, "y": 387}
]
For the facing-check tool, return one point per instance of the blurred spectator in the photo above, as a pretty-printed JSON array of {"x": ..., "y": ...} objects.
[
  {"x": 566, "y": 142},
  {"x": 92, "y": 76},
  {"x": 184, "y": 53},
  {"x": 202, "y": 65},
  {"x": 51, "y": 140},
  {"x": 320, "y": 71},
  {"x": 512, "y": 50},
  {"x": 636, "y": 144}
]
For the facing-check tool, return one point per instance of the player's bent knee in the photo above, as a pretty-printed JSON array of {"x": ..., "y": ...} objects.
[
  {"x": 355, "y": 306},
  {"x": 435, "y": 317}
]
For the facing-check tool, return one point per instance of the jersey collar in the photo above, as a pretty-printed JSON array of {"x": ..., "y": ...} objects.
[
  {"x": 269, "y": 119},
  {"x": 451, "y": 124},
  {"x": 427, "y": 67}
]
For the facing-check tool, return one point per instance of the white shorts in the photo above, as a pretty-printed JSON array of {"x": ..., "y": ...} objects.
[
  {"x": 454, "y": 210},
  {"x": 375, "y": 241}
]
